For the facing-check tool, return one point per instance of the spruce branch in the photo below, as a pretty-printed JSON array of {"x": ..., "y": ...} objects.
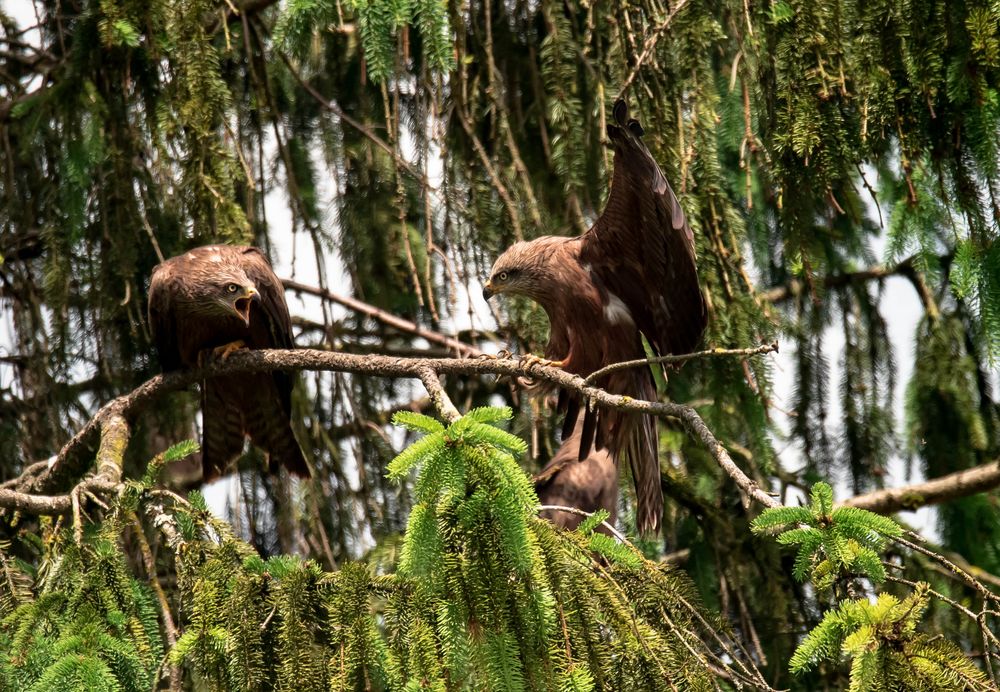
[
  {"x": 440, "y": 397},
  {"x": 583, "y": 513}
]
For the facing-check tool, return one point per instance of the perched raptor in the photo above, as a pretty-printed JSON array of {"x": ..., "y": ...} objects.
[
  {"x": 215, "y": 299},
  {"x": 632, "y": 273},
  {"x": 589, "y": 484}
]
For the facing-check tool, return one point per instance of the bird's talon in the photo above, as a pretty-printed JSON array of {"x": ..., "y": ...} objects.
[
  {"x": 531, "y": 360},
  {"x": 502, "y": 354},
  {"x": 223, "y": 352}
]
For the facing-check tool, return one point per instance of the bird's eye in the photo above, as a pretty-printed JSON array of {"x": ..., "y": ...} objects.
[
  {"x": 232, "y": 288},
  {"x": 502, "y": 276}
]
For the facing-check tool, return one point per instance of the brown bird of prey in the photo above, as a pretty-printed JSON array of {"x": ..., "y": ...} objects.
[
  {"x": 589, "y": 484},
  {"x": 213, "y": 300},
  {"x": 632, "y": 273}
]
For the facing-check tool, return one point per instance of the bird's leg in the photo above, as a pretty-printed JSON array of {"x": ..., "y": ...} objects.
[
  {"x": 531, "y": 359},
  {"x": 223, "y": 352}
]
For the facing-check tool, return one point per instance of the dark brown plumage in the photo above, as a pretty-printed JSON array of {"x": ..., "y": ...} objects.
[
  {"x": 633, "y": 271},
  {"x": 589, "y": 484},
  {"x": 213, "y": 297}
]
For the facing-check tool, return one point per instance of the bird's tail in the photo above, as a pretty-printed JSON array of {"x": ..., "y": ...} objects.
[
  {"x": 269, "y": 427},
  {"x": 221, "y": 429},
  {"x": 633, "y": 436}
]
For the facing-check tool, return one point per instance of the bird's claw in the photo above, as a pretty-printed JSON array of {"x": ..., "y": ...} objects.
[
  {"x": 223, "y": 352},
  {"x": 531, "y": 360}
]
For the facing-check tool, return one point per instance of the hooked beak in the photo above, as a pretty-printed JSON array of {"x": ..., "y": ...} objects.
[
  {"x": 242, "y": 304},
  {"x": 488, "y": 291}
]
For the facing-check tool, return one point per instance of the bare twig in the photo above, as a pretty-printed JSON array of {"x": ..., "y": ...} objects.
[
  {"x": 386, "y": 318},
  {"x": 649, "y": 44},
  {"x": 681, "y": 358}
]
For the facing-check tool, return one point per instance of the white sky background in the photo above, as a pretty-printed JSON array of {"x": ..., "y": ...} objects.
[{"x": 294, "y": 257}]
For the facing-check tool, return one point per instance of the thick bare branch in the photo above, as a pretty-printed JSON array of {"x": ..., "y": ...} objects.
[
  {"x": 67, "y": 462},
  {"x": 912, "y": 497},
  {"x": 114, "y": 438}
]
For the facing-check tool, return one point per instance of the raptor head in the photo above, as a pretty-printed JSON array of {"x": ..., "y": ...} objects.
[
  {"x": 234, "y": 293},
  {"x": 523, "y": 269}
]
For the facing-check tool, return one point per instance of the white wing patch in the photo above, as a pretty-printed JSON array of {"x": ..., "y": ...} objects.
[{"x": 615, "y": 311}]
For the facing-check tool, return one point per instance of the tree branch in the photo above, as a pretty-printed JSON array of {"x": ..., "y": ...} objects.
[
  {"x": 649, "y": 44},
  {"x": 67, "y": 462},
  {"x": 386, "y": 318},
  {"x": 114, "y": 438},
  {"x": 683, "y": 357},
  {"x": 912, "y": 497},
  {"x": 440, "y": 397}
]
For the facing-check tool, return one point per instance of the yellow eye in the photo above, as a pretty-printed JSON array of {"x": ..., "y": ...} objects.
[
  {"x": 232, "y": 288},
  {"x": 502, "y": 276}
]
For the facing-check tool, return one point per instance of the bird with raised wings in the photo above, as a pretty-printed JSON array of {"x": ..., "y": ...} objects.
[
  {"x": 215, "y": 299},
  {"x": 633, "y": 273}
]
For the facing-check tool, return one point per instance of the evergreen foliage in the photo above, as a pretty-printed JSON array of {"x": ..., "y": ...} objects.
[
  {"x": 886, "y": 649},
  {"x": 879, "y": 636},
  {"x": 412, "y": 140},
  {"x": 832, "y": 542}
]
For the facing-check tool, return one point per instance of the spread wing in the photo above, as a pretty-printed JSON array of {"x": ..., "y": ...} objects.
[{"x": 642, "y": 248}]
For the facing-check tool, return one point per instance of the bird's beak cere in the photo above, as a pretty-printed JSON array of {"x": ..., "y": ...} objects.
[
  {"x": 242, "y": 304},
  {"x": 488, "y": 290}
]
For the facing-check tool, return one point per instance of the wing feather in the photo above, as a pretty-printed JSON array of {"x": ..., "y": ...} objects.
[
  {"x": 642, "y": 247},
  {"x": 161, "y": 318}
]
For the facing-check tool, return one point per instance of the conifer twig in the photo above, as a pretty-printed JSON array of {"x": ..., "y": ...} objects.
[
  {"x": 649, "y": 44},
  {"x": 442, "y": 402},
  {"x": 386, "y": 318}
]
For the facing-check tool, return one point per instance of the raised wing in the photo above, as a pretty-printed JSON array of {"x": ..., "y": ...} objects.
[{"x": 642, "y": 248}]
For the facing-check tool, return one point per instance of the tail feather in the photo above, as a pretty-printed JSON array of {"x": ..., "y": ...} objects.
[
  {"x": 268, "y": 425},
  {"x": 221, "y": 429},
  {"x": 634, "y": 436}
]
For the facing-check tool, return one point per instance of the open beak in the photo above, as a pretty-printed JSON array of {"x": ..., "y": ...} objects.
[
  {"x": 488, "y": 291},
  {"x": 242, "y": 304}
]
